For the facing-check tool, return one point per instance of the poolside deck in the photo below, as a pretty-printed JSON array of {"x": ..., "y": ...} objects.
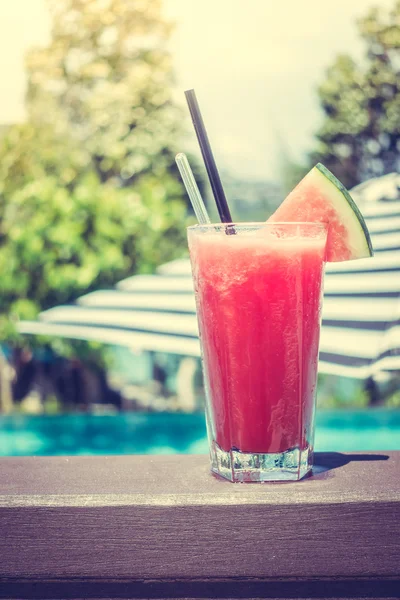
[{"x": 162, "y": 527}]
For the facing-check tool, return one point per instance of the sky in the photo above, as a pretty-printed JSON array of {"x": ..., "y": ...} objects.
[{"x": 255, "y": 66}]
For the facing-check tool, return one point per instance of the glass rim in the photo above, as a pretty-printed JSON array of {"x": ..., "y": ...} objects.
[{"x": 318, "y": 224}]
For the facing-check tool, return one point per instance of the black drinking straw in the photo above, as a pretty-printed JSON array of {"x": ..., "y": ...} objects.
[{"x": 208, "y": 157}]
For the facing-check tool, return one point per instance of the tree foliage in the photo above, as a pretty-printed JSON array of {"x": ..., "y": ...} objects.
[
  {"x": 106, "y": 78},
  {"x": 88, "y": 193},
  {"x": 360, "y": 134}
]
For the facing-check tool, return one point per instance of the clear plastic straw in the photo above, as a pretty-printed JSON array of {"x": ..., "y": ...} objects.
[{"x": 192, "y": 189}]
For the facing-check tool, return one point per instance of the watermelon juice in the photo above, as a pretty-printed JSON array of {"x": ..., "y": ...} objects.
[{"x": 259, "y": 295}]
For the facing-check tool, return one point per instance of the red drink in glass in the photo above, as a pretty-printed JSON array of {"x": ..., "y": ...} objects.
[{"x": 259, "y": 295}]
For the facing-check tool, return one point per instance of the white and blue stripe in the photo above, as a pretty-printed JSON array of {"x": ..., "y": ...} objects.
[{"x": 361, "y": 316}]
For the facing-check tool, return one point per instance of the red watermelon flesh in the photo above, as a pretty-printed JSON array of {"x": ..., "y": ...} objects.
[{"x": 320, "y": 197}]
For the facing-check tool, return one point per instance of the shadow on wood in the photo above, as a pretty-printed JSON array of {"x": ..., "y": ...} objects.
[{"x": 326, "y": 461}]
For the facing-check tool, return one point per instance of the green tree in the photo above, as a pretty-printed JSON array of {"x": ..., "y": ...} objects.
[
  {"x": 107, "y": 79},
  {"x": 360, "y": 134},
  {"x": 88, "y": 193}
]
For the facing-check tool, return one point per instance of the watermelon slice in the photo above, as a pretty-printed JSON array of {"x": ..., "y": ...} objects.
[{"x": 320, "y": 197}]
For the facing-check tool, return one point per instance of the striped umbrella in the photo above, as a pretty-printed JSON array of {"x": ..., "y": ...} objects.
[{"x": 360, "y": 334}]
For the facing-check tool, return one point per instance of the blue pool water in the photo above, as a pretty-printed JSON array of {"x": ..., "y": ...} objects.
[{"x": 138, "y": 433}]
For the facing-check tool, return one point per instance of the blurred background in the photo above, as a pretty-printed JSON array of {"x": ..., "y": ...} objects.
[{"x": 92, "y": 113}]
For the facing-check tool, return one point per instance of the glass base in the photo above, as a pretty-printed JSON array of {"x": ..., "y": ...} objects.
[{"x": 244, "y": 467}]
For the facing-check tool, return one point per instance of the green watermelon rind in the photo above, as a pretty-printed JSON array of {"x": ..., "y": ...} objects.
[{"x": 359, "y": 234}]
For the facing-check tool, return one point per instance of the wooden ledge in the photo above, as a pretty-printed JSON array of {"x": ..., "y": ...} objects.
[{"x": 162, "y": 526}]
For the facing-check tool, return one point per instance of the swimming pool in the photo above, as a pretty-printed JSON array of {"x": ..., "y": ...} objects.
[{"x": 140, "y": 433}]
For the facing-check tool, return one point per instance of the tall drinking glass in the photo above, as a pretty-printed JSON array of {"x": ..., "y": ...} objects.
[{"x": 258, "y": 293}]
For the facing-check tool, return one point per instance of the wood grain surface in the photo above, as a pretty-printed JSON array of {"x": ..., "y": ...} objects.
[{"x": 162, "y": 526}]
